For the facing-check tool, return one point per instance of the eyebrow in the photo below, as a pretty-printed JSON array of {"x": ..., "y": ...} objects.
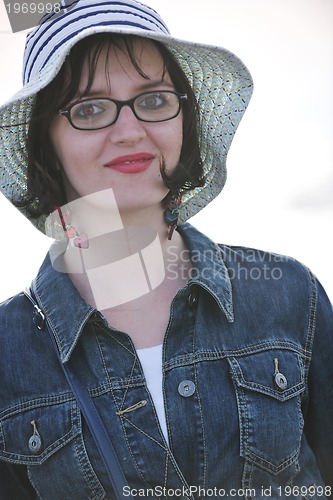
[{"x": 150, "y": 84}]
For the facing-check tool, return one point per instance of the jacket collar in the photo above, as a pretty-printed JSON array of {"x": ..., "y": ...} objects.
[
  {"x": 208, "y": 268},
  {"x": 62, "y": 305},
  {"x": 67, "y": 313}
]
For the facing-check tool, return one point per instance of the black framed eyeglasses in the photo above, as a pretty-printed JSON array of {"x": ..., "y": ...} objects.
[{"x": 101, "y": 112}]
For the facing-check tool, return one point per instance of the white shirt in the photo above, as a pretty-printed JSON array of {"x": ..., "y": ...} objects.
[{"x": 151, "y": 361}]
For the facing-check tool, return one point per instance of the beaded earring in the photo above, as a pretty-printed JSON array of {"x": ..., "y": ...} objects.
[
  {"x": 80, "y": 239},
  {"x": 171, "y": 212}
]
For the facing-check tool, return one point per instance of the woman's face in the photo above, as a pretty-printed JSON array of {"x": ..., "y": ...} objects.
[{"x": 127, "y": 155}]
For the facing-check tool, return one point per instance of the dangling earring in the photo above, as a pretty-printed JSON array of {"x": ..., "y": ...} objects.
[
  {"x": 80, "y": 239},
  {"x": 171, "y": 212}
]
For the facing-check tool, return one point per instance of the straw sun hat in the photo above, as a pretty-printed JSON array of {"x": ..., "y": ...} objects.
[{"x": 221, "y": 83}]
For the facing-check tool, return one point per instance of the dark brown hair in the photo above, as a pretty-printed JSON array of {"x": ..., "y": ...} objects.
[{"x": 45, "y": 186}]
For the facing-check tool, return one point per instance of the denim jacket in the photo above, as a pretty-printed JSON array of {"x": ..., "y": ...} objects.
[{"x": 247, "y": 384}]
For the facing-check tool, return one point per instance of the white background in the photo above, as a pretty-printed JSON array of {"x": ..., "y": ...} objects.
[{"x": 279, "y": 194}]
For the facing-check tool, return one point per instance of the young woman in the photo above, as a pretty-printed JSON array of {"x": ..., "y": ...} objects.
[{"x": 209, "y": 366}]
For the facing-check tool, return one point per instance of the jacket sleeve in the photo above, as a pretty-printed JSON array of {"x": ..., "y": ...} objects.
[
  {"x": 14, "y": 483},
  {"x": 319, "y": 415}
]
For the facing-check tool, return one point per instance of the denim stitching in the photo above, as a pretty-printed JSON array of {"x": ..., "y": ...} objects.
[
  {"x": 37, "y": 403},
  {"x": 313, "y": 302},
  {"x": 218, "y": 354},
  {"x": 122, "y": 417},
  {"x": 169, "y": 455},
  {"x": 242, "y": 405},
  {"x": 82, "y": 467},
  {"x": 88, "y": 471},
  {"x": 270, "y": 467},
  {"x": 201, "y": 412},
  {"x": 32, "y": 482}
]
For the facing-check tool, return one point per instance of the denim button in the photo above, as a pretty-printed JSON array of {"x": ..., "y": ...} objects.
[
  {"x": 279, "y": 378},
  {"x": 186, "y": 388},
  {"x": 35, "y": 443},
  {"x": 281, "y": 381}
]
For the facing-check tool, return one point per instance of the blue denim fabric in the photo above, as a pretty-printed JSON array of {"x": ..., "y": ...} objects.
[{"x": 250, "y": 337}]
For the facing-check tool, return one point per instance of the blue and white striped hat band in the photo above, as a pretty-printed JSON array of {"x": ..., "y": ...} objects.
[
  {"x": 221, "y": 83},
  {"x": 44, "y": 43}
]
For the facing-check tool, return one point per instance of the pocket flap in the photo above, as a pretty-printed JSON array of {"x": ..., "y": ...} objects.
[{"x": 277, "y": 373}]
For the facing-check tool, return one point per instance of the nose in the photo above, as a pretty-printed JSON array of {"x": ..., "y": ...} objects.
[{"x": 127, "y": 129}]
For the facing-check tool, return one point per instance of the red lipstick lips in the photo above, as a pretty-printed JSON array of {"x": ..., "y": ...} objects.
[{"x": 131, "y": 164}]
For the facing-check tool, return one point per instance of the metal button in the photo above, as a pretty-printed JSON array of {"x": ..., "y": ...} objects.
[
  {"x": 186, "y": 388},
  {"x": 35, "y": 442},
  {"x": 281, "y": 381},
  {"x": 279, "y": 378}
]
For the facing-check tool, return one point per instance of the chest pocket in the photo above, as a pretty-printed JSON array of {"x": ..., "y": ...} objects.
[
  {"x": 46, "y": 436},
  {"x": 31, "y": 434},
  {"x": 268, "y": 385}
]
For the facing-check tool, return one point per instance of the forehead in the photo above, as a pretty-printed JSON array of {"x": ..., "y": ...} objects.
[{"x": 114, "y": 64}]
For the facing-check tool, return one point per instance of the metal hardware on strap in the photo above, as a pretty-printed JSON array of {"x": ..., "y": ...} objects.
[{"x": 38, "y": 317}]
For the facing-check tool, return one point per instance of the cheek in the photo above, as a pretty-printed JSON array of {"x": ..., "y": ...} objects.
[
  {"x": 60, "y": 138},
  {"x": 69, "y": 147},
  {"x": 171, "y": 141},
  {"x": 178, "y": 139},
  {"x": 68, "y": 153},
  {"x": 177, "y": 145}
]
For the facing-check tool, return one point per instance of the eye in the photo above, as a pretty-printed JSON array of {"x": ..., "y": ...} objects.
[
  {"x": 88, "y": 110},
  {"x": 153, "y": 101}
]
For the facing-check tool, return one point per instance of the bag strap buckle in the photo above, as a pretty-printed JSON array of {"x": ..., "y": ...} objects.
[{"x": 38, "y": 317}]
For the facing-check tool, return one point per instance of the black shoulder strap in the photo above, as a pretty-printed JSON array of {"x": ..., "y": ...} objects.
[{"x": 89, "y": 412}]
